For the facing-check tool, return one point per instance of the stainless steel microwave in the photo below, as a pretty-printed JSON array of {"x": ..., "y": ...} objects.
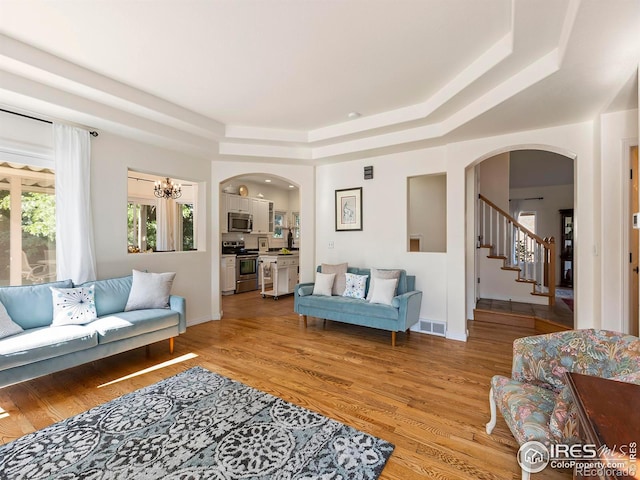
[{"x": 240, "y": 222}]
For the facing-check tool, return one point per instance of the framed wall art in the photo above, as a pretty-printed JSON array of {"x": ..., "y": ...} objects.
[{"x": 349, "y": 209}]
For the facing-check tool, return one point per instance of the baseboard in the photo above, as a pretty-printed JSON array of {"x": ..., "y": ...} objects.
[
  {"x": 196, "y": 321},
  {"x": 458, "y": 336}
]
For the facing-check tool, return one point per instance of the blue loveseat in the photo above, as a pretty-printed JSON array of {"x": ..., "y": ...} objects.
[
  {"x": 42, "y": 349},
  {"x": 403, "y": 312}
]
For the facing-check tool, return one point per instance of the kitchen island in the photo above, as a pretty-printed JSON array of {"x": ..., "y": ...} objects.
[{"x": 279, "y": 269}]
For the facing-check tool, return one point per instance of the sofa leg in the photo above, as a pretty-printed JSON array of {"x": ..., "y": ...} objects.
[
  {"x": 171, "y": 345},
  {"x": 408, "y": 332},
  {"x": 492, "y": 423},
  {"x": 304, "y": 319},
  {"x": 393, "y": 339}
]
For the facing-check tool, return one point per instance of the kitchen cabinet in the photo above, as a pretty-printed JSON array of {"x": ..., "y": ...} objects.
[
  {"x": 237, "y": 203},
  {"x": 281, "y": 271},
  {"x": 262, "y": 211},
  {"x": 228, "y": 274}
]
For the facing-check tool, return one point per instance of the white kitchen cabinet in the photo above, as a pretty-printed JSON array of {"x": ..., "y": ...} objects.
[
  {"x": 228, "y": 274},
  {"x": 262, "y": 211},
  {"x": 237, "y": 203}
]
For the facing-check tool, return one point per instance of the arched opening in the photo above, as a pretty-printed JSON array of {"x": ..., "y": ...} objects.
[
  {"x": 260, "y": 222},
  {"x": 521, "y": 238}
]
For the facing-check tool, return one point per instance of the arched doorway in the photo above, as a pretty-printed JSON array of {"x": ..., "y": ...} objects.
[
  {"x": 530, "y": 193},
  {"x": 259, "y": 219}
]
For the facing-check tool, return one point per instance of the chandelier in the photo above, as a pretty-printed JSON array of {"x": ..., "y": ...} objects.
[{"x": 167, "y": 189}]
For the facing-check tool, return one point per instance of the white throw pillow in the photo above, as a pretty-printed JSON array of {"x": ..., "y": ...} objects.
[
  {"x": 355, "y": 285},
  {"x": 150, "y": 290},
  {"x": 7, "y": 326},
  {"x": 340, "y": 280},
  {"x": 73, "y": 306},
  {"x": 384, "y": 290},
  {"x": 376, "y": 273},
  {"x": 324, "y": 283}
]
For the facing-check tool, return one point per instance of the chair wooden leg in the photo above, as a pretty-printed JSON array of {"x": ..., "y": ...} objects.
[
  {"x": 492, "y": 407},
  {"x": 393, "y": 339},
  {"x": 171, "y": 345}
]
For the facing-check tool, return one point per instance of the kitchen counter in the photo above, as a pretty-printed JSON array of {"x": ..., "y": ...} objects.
[{"x": 281, "y": 269}]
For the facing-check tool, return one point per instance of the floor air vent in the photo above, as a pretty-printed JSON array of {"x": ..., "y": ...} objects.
[{"x": 434, "y": 328}]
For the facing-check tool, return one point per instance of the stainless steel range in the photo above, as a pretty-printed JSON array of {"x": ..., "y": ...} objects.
[{"x": 246, "y": 265}]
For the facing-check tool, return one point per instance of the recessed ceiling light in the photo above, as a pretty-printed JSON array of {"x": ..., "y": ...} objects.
[
  {"x": 291, "y": 186},
  {"x": 267, "y": 180},
  {"x": 353, "y": 115}
]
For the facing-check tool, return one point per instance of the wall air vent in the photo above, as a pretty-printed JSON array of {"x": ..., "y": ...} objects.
[{"x": 431, "y": 327}]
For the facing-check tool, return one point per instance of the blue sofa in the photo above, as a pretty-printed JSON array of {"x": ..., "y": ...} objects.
[
  {"x": 42, "y": 349},
  {"x": 397, "y": 317}
]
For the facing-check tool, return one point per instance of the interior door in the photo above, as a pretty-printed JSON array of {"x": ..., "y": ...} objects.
[{"x": 633, "y": 246}]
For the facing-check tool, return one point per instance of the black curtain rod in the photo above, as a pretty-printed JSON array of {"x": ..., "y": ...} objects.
[
  {"x": 530, "y": 198},
  {"x": 92, "y": 133}
]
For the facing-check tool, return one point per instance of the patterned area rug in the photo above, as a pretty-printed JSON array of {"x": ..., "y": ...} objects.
[{"x": 196, "y": 425}]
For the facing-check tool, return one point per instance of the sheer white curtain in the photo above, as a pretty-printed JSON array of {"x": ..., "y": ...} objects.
[
  {"x": 75, "y": 251},
  {"x": 166, "y": 224}
]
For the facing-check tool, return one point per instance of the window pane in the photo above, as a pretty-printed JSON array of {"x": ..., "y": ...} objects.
[
  {"x": 528, "y": 220},
  {"x": 278, "y": 221},
  {"x": 186, "y": 211},
  {"x": 141, "y": 227},
  {"x": 28, "y": 226}
]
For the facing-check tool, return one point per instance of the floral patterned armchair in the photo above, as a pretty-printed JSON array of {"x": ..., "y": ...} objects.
[{"x": 535, "y": 402}]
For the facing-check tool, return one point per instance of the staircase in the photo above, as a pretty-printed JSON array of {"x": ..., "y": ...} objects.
[{"x": 527, "y": 260}]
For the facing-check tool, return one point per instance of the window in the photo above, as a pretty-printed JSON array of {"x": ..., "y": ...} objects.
[
  {"x": 278, "y": 224},
  {"x": 296, "y": 225},
  {"x": 142, "y": 226},
  {"x": 27, "y": 225},
  {"x": 524, "y": 247},
  {"x": 528, "y": 220},
  {"x": 185, "y": 226}
]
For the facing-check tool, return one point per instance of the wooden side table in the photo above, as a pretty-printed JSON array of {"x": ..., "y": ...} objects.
[{"x": 609, "y": 418}]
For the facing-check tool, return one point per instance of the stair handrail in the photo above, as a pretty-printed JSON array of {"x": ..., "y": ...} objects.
[
  {"x": 514, "y": 221},
  {"x": 548, "y": 244}
]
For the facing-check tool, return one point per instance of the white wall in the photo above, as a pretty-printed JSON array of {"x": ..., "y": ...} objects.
[
  {"x": 383, "y": 241},
  {"x": 112, "y": 156},
  {"x": 302, "y": 176},
  {"x": 494, "y": 180}
]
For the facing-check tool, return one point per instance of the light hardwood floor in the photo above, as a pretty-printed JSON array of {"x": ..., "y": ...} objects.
[{"x": 428, "y": 395}]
